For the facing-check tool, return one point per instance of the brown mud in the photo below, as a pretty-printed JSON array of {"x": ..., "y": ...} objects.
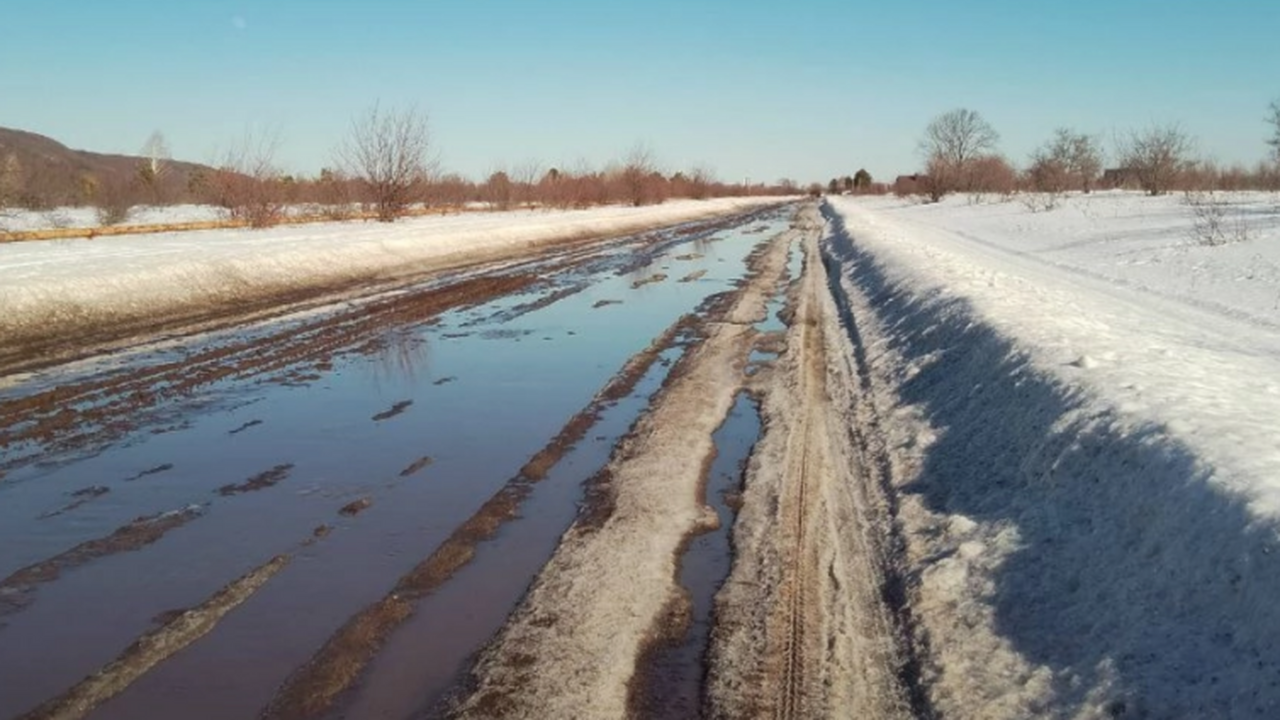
[
  {"x": 16, "y": 590},
  {"x": 261, "y": 481}
]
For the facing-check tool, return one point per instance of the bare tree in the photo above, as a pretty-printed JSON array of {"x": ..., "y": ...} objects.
[
  {"x": 551, "y": 189},
  {"x": 1157, "y": 156},
  {"x": 637, "y": 177},
  {"x": 498, "y": 191},
  {"x": 951, "y": 144},
  {"x": 1076, "y": 155},
  {"x": 1067, "y": 161},
  {"x": 701, "y": 179},
  {"x": 1273, "y": 119},
  {"x": 247, "y": 182},
  {"x": 155, "y": 159},
  {"x": 524, "y": 180},
  {"x": 387, "y": 153}
]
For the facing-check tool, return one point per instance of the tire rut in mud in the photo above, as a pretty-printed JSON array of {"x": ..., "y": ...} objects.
[
  {"x": 639, "y": 515},
  {"x": 803, "y": 629}
]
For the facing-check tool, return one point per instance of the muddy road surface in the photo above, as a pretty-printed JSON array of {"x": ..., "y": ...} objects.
[{"x": 442, "y": 499}]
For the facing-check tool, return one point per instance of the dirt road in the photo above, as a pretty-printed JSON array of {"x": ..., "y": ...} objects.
[
  {"x": 291, "y": 507},
  {"x": 485, "y": 494}
]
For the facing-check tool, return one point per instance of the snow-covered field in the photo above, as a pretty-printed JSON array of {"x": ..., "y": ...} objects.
[
  {"x": 110, "y": 279},
  {"x": 14, "y": 220},
  {"x": 1088, "y": 401}
]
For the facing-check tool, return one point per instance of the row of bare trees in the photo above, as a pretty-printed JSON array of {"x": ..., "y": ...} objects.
[
  {"x": 961, "y": 156},
  {"x": 384, "y": 168}
]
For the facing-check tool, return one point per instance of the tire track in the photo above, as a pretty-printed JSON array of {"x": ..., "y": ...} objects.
[{"x": 803, "y": 630}]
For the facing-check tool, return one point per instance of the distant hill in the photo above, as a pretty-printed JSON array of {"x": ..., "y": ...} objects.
[{"x": 40, "y": 172}]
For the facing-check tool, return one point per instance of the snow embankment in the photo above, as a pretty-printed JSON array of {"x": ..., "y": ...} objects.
[
  {"x": 18, "y": 220},
  {"x": 72, "y": 283},
  {"x": 1086, "y": 406}
]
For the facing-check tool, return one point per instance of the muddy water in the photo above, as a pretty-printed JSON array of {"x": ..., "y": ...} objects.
[
  {"x": 462, "y": 401},
  {"x": 427, "y": 657},
  {"x": 674, "y": 684}
]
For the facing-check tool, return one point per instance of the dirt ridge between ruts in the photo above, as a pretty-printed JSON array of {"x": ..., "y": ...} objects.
[
  {"x": 801, "y": 627},
  {"x": 595, "y": 607},
  {"x": 155, "y": 647},
  {"x": 17, "y": 588}
]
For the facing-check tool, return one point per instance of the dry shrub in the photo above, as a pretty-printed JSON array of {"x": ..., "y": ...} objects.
[
  {"x": 990, "y": 174},
  {"x": 388, "y": 153},
  {"x": 113, "y": 200},
  {"x": 1214, "y": 220},
  {"x": 247, "y": 183},
  {"x": 1157, "y": 156}
]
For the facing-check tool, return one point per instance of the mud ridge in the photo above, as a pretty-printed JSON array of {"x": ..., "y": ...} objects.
[
  {"x": 417, "y": 466},
  {"x": 180, "y": 629},
  {"x": 166, "y": 467},
  {"x": 261, "y": 481},
  {"x": 803, "y": 628},
  {"x": 393, "y": 411},
  {"x": 17, "y": 589}
]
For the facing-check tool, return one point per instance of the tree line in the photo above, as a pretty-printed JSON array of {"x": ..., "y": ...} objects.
[
  {"x": 384, "y": 168},
  {"x": 961, "y": 156}
]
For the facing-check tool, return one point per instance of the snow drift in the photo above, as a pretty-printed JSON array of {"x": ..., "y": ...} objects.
[{"x": 1088, "y": 462}]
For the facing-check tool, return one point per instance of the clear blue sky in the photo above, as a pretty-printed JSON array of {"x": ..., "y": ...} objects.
[{"x": 806, "y": 90}]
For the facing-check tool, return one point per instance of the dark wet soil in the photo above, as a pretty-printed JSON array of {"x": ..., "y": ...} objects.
[
  {"x": 16, "y": 589},
  {"x": 261, "y": 481},
  {"x": 417, "y": 466},
  {"x": 166, "y": 467},
  {"x": 393, "y": 411}
]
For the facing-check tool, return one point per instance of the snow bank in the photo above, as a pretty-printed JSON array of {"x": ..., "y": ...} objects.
[
  {"x": 15, "y": 220},
  {"x": 1090, "y": 472},
  {"x": 1149, "y": 244},
  {"x": 110, "y": 279}
]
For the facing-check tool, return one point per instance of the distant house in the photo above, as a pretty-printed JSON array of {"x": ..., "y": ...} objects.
[
  {"x": 1119, "y": 178},
  {"x": 910, "y": 184}
]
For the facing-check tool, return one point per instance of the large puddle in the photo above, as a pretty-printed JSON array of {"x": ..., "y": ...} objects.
[{"x": 425, "y": 422}]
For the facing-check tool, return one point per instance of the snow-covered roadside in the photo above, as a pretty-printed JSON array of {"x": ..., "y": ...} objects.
[
  {"x": 73, "y": 282},
  {"x": 1154, "y": 245},
  {"x": 18, "y": 220},
  {"x": 1090, "y": 478}
]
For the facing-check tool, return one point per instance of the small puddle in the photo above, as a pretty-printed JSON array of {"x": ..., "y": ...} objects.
[{"x": 676, "y": 673}]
